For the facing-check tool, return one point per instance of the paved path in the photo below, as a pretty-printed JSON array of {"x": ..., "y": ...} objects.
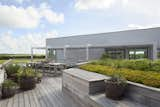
[{"x": 47, "y": 94}]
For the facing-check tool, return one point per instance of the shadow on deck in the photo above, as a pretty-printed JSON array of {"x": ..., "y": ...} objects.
[{"x": 48, "y": 93}]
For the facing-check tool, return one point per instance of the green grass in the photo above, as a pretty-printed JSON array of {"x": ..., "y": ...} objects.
[
  {"x": 21, "y": 60},
  {"x": 141, "y": 64},
  {"x": 20, "y": 56},
  {"x": 149, "y": 78},
  {"x": 2, "y": 61},
  {"x": 25, "y": 60}
]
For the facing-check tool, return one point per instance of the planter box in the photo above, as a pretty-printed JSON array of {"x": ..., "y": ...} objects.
[
  {"x": 143, "y": 94},
  {"x": 83, "y": 83},
  {"x": 89, "y": 87}
]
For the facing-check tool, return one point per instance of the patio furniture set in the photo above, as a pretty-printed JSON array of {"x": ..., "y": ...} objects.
[{"x": 48, "y": 67}]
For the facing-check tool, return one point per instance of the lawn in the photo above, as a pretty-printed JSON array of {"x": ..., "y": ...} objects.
[
  {"x": 22, "y": 60},
  {"x": 25, "y": 60},
  {"x": 2, "y": 61}
]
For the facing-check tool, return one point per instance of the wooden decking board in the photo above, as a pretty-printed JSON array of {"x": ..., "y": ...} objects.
[
  {"x": 48, "y": 93},
  {"x": 26, "y": 99},
  {"x": 40, "y": 97},
  {"x": 15, "y": 101},
  {"x": 47, "y": 96},
  {"x": 31, "y": 99},
  {"x": 53, "y": 97},
  {"x": 4, "y": 103},
  {"x": 35, "y": 99},
  {"x": 53, "y": 93},
  {"x": 21, "y": 99}
]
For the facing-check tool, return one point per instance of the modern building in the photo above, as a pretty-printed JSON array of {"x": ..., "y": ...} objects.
[{"x": 130, "y": 44}]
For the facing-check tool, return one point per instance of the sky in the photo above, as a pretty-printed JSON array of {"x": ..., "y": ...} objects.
[{"x": 27, "y": 23}]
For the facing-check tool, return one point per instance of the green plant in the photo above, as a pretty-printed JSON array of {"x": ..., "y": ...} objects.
[
  {"x": 27, "y": 78},
  {"x": 115, "y": 87},
  {"x": 11, "y": 69},
  {"x": 118, "y": 79},
  {"x": 38, "y": 77},
  {"x": 26, "y": 72},
  {"x": 149, "y": 78},
  {"x": 8, "y": 88},
  {"x": 8, "y": 83},
  {"x": 141, "y": 64}
]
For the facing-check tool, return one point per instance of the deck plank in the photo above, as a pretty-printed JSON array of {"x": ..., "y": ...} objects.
[
  {"x": 40, "y": 97},
  {"x": 37, "y": 103},
  {"x": 48, "y": 93},
  {"x": 26, "y": 99},
  {"x": 10, "y": 102},
  {"x": 21, "y": 99},
  {"x": 15, "y": 101}
]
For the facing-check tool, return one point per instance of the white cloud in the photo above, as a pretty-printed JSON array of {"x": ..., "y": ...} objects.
[
  {"x": 23, "y": 44},
  {"x": 93, "y": 4},
  {"x": 137, "y": 26},
  {"x": 30, "y": 17},
  {"x": 21, "y": 1},
  {"x": 50, "y": 16},
  {"x": 142, "y": 13},
  {"x": 145, "y": 7}
]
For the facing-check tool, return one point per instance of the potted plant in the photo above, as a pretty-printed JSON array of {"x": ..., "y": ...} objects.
[
  {"x": 11, "y": 71},
  {"x": 115, "y": 87},
  {"x": 27, "y": 78},
  {"x": 8, "y": 88},
  {"x": 38, "y": 77}
]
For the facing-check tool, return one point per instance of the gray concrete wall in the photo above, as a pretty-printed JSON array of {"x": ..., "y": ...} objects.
[
  {"x": 113, "y": 39},
  {"x": 95, "y": 53},
  {"x": 122, "y": 38}
]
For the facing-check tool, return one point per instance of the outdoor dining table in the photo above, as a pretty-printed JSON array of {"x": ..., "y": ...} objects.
[{"x": 56, "y": 66}]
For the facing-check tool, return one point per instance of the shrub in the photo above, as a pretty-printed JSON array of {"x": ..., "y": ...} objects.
[
  {"x": 8, "y": 83},
  {"x": 27, "y": 78},
  {"x": 141, "y": 64},
  {"x": 8, "y": 88},
  {"x": 149, "y": 78},
  {"x": 38, "y": 77},
  {"x": 11, "y": 69}
]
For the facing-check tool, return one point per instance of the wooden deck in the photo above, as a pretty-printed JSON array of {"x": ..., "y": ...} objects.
[{"x": 47, "y": 94}]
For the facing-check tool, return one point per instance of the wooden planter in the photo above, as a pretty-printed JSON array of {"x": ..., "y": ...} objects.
[
  {"x": 114, "y": 90},
  {"x": 27, "y": 83},
  {"x": 8, "y": 92}
]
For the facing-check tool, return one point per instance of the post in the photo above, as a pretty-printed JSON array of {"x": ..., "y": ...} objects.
[
  {"x": 64, "y": 51},
  {"x": 154, "y": 53},
  {"x": 87, "y": 51},
  {"x": 31, "y": 54},
  {"x": 46, "y": 50}
]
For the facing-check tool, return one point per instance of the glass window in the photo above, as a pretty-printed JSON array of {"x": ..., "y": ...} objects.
[
  {"x": 138, "y": 53},
  {"x": 115, "y": 54},
  {"x": 51, "y": 53}
]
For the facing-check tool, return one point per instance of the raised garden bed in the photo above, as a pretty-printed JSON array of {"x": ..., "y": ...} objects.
[{"x": 76, "y": 83}]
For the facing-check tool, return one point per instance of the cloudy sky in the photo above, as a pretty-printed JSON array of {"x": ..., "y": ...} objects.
[{"x": 26, "y": 23}]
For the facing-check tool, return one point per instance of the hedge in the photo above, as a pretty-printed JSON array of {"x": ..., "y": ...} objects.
[
  {"x": 18, "y": 56},
  {"x": 142, "y": 64},
  {"x": 147, "y": 78}
]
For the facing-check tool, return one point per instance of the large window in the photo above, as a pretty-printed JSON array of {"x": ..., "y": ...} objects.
[
  {"x": 115, "y": 53},
  {"x": 51, "y": 53},
  {"x": 138, "y": 53}
]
